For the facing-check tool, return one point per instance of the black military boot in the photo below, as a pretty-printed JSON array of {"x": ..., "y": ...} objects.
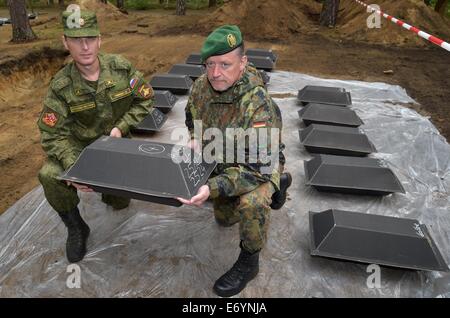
[
  {"x": 279, "y": 197},
  {"x": 78, "y": 232},
  {"x": 234, "y": 281}
]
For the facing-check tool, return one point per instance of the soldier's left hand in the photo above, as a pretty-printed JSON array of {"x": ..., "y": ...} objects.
[
  {"x": 197, "y": 200},
  {"x": 115, "y": 132}
]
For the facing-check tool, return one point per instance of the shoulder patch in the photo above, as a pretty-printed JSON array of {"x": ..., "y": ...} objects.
[
  {"x": 145, "y": 91},
  {"x": 50, "y": 119}
]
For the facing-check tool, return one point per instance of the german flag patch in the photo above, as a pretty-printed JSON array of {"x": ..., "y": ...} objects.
[
  {"x": 259, "y": 124},
  {"x": 49, "y": 119}
]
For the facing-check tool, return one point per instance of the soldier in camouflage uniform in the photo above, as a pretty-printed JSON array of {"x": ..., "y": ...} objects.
[
  {"x": 95, "y": 94},
  {"x": 232, "y": 95}
]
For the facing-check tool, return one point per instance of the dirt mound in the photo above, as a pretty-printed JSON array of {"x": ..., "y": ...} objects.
[
  {"x": 266, "y": 19},
  {"x": 352, "y": 23},
  {"x": 281, "y": 20},
  {"x": 23, "y": 85},
  {"x": 104, "y": 11}
]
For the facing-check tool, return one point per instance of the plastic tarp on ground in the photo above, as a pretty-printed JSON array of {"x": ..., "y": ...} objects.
[{"x": 151, "y": 250}]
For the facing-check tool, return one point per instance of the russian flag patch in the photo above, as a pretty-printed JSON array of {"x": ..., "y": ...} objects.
[{"x": 133, "y": 82}]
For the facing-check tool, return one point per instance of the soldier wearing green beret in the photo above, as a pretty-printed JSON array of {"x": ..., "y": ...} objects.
[
  {"x": 232, "y": 95},
  {"x": 96, "y": 94}
]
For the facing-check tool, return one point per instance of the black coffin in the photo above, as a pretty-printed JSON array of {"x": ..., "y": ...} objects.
[
  {"x": 151, "y": 123},
  {"x": 262, "y": 62},
  {"x": 351, "y": 175},
  {"x": 164, "y": 100},
  {"x": 325, "y": 88},
  {"x": 262, "y": 52},
  {"x": 265, "y": 77},
  {"x": 191, "y": 70},
  {"x": 176, "y": 83},
  {"x": 324, "y": 95},
  {"x": 374, "y": 239},
  {"x": 334, "y": 140},
  {"x": 314, "y": 113},
  {"x": 139, "y": 169},
  {"x": 194, "y": 58}
]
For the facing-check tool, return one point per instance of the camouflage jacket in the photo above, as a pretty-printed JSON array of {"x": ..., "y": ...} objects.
[
  {"x": 75, "y": 113},
  {"x": 245, "y": 105}
]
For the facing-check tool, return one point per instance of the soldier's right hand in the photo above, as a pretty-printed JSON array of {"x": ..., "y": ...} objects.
[
  {"x": 81, "y": 187},
  {"x": 201, "y": 196}
]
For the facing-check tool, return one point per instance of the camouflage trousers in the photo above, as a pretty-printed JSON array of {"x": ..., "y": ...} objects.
[
  {"x": 64, "y": 198},
  {"x": 251, "y": 210}
]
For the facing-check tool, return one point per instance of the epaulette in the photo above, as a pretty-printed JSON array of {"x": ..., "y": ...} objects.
[{"x": 59, "y": 83}]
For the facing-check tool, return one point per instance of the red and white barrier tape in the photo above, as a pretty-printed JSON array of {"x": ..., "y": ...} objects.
[{"x": 422, "y": 34}]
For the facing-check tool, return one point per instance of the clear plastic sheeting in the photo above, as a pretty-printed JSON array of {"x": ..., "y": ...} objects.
[
  {"x": 288, "y": 82},
  {"x": 151, "y": 250}
]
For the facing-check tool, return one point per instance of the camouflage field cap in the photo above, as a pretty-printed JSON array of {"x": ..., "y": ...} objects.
[
  {"x": 80, "y": 24},
  {"x": 221, "y": 41}
]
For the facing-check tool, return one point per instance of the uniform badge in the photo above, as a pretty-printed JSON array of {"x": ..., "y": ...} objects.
[
  {"x": 50, "y": 119},
  {"x": 231, "y": 39},
  {"x": 259, "y": 124},
  {"x": 81, "y": 21},
  {"x": 145, "y": 91},
  {"x": 133, "y": 82}
]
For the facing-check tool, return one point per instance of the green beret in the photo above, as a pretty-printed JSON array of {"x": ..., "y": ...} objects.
[
  {"x": 221, "y": 41},
  {"x": 79, "y": 24}
]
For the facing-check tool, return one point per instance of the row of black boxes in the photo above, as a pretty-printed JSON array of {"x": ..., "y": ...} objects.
[{"x": 340, "y": 164}]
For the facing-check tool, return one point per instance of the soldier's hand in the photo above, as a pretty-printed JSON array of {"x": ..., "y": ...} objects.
[
  {"x": 81, "y": 187},
  {"x": 115, "y": 132},
  {"x": 200, "y": 198}
]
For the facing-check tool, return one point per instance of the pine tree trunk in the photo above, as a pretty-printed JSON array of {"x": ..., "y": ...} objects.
[
  {"x": 120, "y": 4},
  {"x": 212, "y": 3},
  {"x": 21, "y": 29},
  {"x": 328, "y": 16},
  {"x": 61, "y": 3},
  {"x": 181, "y": 7}
]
